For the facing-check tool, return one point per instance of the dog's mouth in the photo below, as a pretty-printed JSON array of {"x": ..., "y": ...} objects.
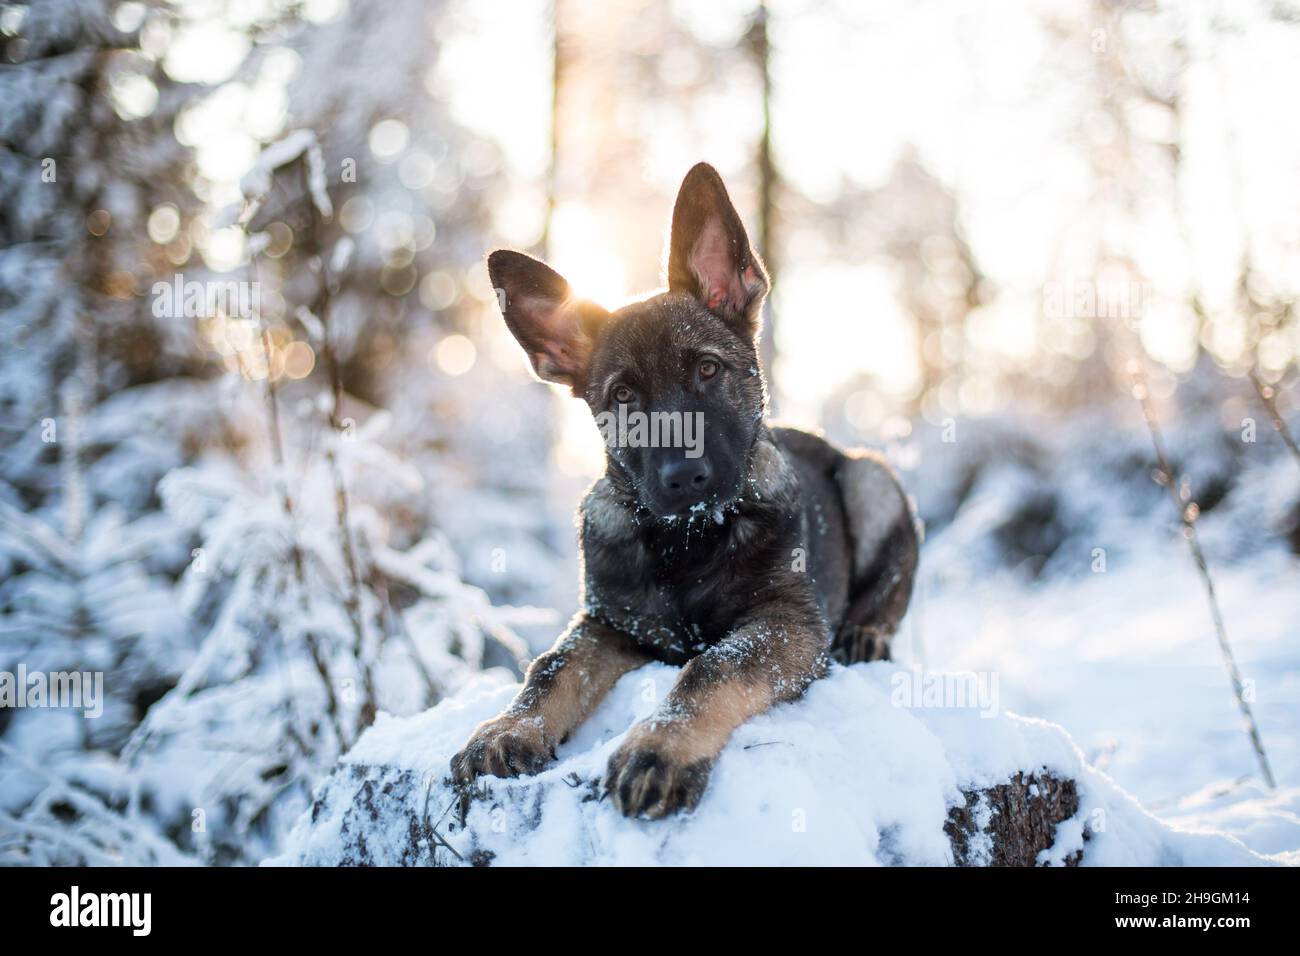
[
  {"x": 711, "y": 510},
  {"x": 701, "y": 510},
  {"x": 710, "y": 506}
]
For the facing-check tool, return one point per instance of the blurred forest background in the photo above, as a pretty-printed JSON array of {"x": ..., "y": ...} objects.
[{"x": 1002, "y": 236}]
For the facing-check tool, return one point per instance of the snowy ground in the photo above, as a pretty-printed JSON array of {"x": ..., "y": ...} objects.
[
  {"x": 1114, "y": 638},
  {"x": 1126, "y": 661}
]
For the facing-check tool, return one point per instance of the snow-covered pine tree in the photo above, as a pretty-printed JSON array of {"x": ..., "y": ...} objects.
[
  {"x": 249, "y": 669},
  {"x": 327, "y": 592},
  {"x": 93, "y": 210}
]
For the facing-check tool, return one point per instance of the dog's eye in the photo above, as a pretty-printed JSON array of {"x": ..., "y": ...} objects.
[
  {"x": 709, "y": 368},
  {"x": 623, "y": 394}
]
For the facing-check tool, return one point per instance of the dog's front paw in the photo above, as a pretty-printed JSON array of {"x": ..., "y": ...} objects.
[
  {"x": 651, "y": 776},
  {"x": 505, "y": 746}
]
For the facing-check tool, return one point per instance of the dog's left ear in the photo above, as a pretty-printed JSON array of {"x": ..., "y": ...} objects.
[{"x": 709, "y": 255}]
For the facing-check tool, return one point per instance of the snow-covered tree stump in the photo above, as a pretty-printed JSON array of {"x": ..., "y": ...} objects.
[
  {"x": 862, "y": 770},
  {"x": 1011, "y": 823},
  {"x": 384, "y": 819}
]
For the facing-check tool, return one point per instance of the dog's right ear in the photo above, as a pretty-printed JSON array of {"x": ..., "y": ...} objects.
[{"x": 556, "y": 330}]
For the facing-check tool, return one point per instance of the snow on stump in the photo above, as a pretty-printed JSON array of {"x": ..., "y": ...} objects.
[{"x": 868, "y": 768}]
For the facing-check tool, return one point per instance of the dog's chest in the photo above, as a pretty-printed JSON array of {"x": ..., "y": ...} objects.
[{"x": 677, "y": 594}]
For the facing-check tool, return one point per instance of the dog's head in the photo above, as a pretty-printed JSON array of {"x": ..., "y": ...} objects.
[{"x": 673, "y": 381}]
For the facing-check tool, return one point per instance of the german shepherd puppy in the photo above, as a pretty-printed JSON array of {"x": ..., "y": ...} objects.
[{"x": 752, "y": 563}]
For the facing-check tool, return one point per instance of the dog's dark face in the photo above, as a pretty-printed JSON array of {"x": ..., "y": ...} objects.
[{"x": 672, "y": 381}]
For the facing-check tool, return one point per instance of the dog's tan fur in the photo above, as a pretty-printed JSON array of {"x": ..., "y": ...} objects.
[
  {"x": 561, "y": 689},
  {"x": 657, "y": 768}
]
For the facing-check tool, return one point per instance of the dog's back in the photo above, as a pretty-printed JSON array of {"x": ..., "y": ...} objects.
[{"x": 862, "y": 540}]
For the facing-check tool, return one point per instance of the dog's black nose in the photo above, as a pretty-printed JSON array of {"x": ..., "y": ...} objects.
[{"x": 685, "y": 479}]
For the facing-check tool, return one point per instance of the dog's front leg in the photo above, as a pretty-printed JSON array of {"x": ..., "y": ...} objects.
[
  {"x": 561, "y": 688},
  {"x": 663, "y": 765}
]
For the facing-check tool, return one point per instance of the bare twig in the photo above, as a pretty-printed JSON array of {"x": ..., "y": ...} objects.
[
  {"x": 432, "y": 828},
  {"x": 398, "y": 627},
  {"x": 321, "y": 310},
  {"x": 276, "y": 434},
  {"x": 1268, "y": 396},
  {"x": 295, "y": 551},
  {"x": 1188, "y": 512}
]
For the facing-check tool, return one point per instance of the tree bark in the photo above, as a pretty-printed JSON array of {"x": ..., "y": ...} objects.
[{"x": 1011, "y": 823}]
